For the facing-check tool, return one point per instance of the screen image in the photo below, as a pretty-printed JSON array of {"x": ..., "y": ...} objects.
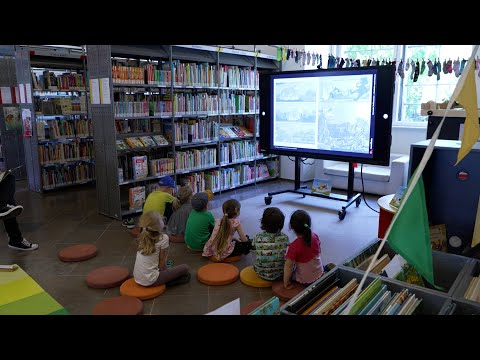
[{"x": 336, "y": 114}]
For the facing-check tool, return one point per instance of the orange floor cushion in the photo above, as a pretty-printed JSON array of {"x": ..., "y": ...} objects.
[
  {"x": 176, "y": 238},
  {"x": 217, "y": 274},
  {"x": 284, "y": 294},
  {"x": 131, "y": 288},
  {"x": 120, "y": 305},
  {"x": 226, "y": 260},
  {"x": 107, "y": 277},
  {"x": 249, "y": 277},
  {"x": 78, "y": 252}
]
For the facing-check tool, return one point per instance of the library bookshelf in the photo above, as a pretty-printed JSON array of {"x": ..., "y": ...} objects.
[
  {"x": 59, "y": 152},
  {"x": 188, "y": 111}
]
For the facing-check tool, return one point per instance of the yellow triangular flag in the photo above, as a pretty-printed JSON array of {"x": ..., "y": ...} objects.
[
  {"x": 468, "y": 99},
  {"x": 476, "y": 231}
]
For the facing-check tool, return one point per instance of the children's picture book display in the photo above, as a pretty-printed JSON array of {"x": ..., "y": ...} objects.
[{"x": 322, "y": 186}]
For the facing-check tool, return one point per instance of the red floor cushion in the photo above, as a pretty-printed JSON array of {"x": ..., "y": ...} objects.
[
  {"x": 120, "y": 305},
  {"x": 217, "y": 274},
  {"x": 107, "y": 277},
  {"x": 135, "y": 231},
  {"x": 78, "y": 252},
  {"x": 247, "y": 309},
  {"x": 131, "y": 288},
  {"x": 226, "y": 260},
  {"x": 249, "y": 277},
  {"x": 284, "y": 294}
]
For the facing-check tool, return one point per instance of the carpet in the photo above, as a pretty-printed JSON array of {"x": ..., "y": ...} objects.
[
  {"x": 339, "y": 239},
  {"x": 21, "y": 295}
]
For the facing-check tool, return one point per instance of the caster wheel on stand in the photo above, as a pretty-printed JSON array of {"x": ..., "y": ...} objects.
[
  {"x": 268, "y": 200},
  {"x": 341, "y": 214},
  {"x": 358, "y": 202}
]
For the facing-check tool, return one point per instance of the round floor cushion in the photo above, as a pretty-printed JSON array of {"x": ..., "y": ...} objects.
[
  {"x": 284, "y": 294},
  {"x": 135, "y": 232},
  {"x": 217, "y": 274},
  {"x": 131, "y": 288},
  {"x": 78, "y": 252},
  {"x": 249, "y": 277},
  {"x": 107, "y": 277},
  {"x": 120, "y": 305},
  {"x": 226, "y": 260}
]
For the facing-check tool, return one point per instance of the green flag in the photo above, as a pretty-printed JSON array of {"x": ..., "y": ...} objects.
[{"x": 410, "y": 234}]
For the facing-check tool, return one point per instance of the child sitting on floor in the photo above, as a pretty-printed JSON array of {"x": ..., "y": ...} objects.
[
  {"x": 200, "y": 223},
  {"x": 151, "y": 262},
  {"x": 270, "y": 245},
  {"x": 178, "y": 221},
  {"x": 221, "y": 243},
  {"x": 303, "y": 263}
]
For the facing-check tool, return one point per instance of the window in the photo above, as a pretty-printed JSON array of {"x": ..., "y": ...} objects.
[
  {"x": 409, "y": 95},
  {"x": 427, "y": 88}
]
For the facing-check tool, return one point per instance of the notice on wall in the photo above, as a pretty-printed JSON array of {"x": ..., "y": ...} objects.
[
  {"x": 104, "y": 91},
  {"x": 28, "y": 91},
  {"x": 22, "y": 93},
  {"x": 94, "y": 92},
  {"x": 12, "y": 118},
  {"x": 6, "y": 94},
  {"x": 27, "y": 122}
]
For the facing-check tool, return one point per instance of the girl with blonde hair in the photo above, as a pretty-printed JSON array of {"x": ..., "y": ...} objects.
[{"x": 152, "y": 252}]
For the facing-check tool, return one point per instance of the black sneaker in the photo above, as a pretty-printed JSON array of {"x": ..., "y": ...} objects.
[
  {"x": 129, "y": 223},
  {"x": 23, "y": 245},
  {"x": 10, "y": 211}
]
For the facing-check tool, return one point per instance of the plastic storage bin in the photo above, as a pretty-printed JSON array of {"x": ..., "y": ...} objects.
[
  {"x": 448, "y": 269},
  {"x": 433, "y": 301}
]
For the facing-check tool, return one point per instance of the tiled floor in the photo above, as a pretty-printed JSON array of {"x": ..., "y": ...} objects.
[{"x": 62, "y": 218}]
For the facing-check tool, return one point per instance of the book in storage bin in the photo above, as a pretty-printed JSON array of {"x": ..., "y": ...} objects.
[
  {"x": 448, "y": 269},
  {"x": 432, "y": 301},
  {"x": 468, "y": 280},
  {"x": 460, "y": 307}
]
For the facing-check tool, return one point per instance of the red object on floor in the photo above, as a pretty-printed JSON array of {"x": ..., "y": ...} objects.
[
  {"x": 217, "y": 274},
  {"x": 247, "y": 309},
  {"x": 107, "y": 277},
  {"x": 120, "y": 305},
  {"x": 386, "y": 214},
  {"x": 131, "y": 288},
  {"x": 286, "y": 294},
  {"x": 78, "y": 252}
]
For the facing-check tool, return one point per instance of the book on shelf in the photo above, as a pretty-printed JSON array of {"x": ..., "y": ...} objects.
[
  {"x": 245, "y": 131},
  {"x": 140, "y": 167},
  {"x": 238, "y": 131},
  {"x": 160, "y": 140},
  {"x": 134, "y": 142},
  {"x": 438, "y": 237},
  {"x": 136, "y": 197},
  {"x": 121, "y": 145},
  {"x": 322, "y": 186},
  {"x": 230, "y": 132},
  {"x": 147, "y": 141},
  {"x": 223, "y": 134},
  {"x": 397, "y": 198}
]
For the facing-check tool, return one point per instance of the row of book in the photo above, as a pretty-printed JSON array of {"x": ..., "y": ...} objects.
[
  {"x": 185, "y": 104},
  {"x": 375, "y": 299},
  {"x": 141, "y": 142},
  {"x": 202, "y": 181},
  {"x": 238, "y": 151},
  {"x": 186, "y": 74},
  {"x": 74, "y": 150},
  {"x": 61, "y": 128},
  {"x": 473, "y": 291},
  {"x": 48, "y": 80},
  {"x": 67, "y": 175},
  {"x": 125, "y": 126},
  {"x": 195, "y": 159},
  {"x": 60, "y": 105},
  {"x": 232, "y": 132},
  {"x": 236, "y": 176},
  {"x": 193, "y": 130},
  {"x": 140, "y": 166}
]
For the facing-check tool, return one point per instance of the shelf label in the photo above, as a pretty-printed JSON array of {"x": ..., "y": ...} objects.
[
  {"x": 6, "y": 94},
  {"x": 22, "y": 93},
  {"x": 28, "y": 91}
]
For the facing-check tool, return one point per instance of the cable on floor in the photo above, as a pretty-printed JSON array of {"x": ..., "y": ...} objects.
[{"x": 363, "y": 190}]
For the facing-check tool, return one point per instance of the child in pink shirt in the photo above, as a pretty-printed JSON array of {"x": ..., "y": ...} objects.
[
  {"x": 303, "y": 263},
  {"x": 221, "y": 243}
]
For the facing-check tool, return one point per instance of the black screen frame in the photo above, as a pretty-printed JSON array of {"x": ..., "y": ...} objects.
[{"x": 383, "y": 102}]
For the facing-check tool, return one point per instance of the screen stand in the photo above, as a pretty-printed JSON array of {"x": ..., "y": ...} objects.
[{"x": 302, "y": 190}]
